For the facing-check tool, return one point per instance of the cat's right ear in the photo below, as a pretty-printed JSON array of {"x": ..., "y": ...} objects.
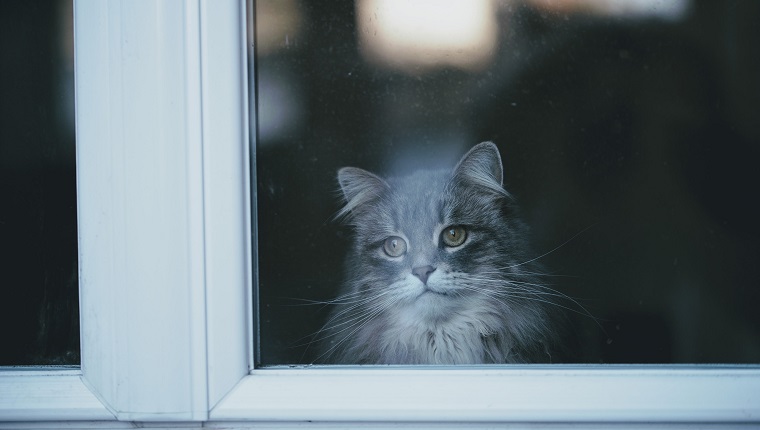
[
  {"x": 359, "y": 187},
  {"x": 481, "y": 166}
]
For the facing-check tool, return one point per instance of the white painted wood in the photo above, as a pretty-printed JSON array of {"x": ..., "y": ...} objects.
[
  {"x": 548, "y": 394},
  {"x": 141, "y": 200},
  {"x": 227, "y": 193},
  {"x": 371, "y": 426},
  {"x": 164, "y": 203},
  {"x": 35, "y": 395}
]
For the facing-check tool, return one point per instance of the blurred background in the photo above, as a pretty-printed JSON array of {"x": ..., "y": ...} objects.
[
  {"x": 39, "y": 305},
  {"x": 629, "y": 130}
]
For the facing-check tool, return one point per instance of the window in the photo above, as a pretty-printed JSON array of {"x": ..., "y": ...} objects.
[
  {"x": 166, "y": 292},
  {"x": 38, "y": 256},
  {"x": 622, "y": 128}
]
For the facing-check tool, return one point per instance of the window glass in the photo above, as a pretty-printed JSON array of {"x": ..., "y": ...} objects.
[
  {"x": 38, "y": 236},
  {"x": 628, "y": 133}
]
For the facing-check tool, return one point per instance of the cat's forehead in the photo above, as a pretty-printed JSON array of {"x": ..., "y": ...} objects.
[
  {"x": 418, "y": 199},
  {"x": 418, "y": 184}
]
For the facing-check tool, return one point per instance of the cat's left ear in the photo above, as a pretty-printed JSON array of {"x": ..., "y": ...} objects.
[{"x": 482, "y": 166}]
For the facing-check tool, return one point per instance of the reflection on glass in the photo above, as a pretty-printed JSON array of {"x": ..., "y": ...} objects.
[
  {"x": 627, "y": 132},
  {"x": 426, "y": 34},
  {"x": 38, "y": 248}
]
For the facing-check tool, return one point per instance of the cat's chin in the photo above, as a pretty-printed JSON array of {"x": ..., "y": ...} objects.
[
  {"x": 438, "y": 286},
  {"x": 432, "y": 291},
  {"x": 428, "y": 310},
  {"x": 433, "y": 302}
]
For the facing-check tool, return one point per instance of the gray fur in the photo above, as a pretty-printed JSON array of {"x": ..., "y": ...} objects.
[{"x": 481, "y": 304}]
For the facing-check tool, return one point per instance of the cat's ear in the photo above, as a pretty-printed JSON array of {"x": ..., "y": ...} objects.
[
  {"x": 482, "y": 166},
  {"x": 359, "y": 186}
]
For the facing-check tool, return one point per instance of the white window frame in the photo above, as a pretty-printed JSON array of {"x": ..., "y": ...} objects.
[{"x": 165, "y": 271}]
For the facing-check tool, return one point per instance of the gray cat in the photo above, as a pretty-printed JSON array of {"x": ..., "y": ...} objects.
[{"x": 438, "y": 272}]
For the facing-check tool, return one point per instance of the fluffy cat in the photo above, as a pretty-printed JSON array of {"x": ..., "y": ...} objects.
[{"x": 438, "y": 272}]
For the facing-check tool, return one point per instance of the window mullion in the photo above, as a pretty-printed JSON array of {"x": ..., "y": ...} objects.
[{"x": 140, "y": 183}]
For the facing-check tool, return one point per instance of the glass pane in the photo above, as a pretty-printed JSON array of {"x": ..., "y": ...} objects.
[
  {"x": 39, "y": 312},
  {"x": 628, "y": 135}
]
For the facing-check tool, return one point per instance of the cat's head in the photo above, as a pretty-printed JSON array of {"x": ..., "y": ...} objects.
[{"x": 433, "y": 237}]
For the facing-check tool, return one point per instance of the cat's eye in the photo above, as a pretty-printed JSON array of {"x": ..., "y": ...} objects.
[
  {"x": 454, "y": 236},
  {"x": 394, "y": 246}
]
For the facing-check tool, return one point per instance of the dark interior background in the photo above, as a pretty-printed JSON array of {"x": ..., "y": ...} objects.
[
  {"x": 39, "y": 317},
  {"x": 630, "y": 141}
]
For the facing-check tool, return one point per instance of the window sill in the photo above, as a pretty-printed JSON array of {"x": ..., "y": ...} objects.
[
  {"x": 556, "y": 394},
  {"x": 651, "y": 395}
]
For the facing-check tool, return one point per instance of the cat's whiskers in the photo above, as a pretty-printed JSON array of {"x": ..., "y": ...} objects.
[
  {"x": 355, "y": 324},
  {"x": 556, "y": 293},
  {"x": 311, "y": 302},
  {"x": 550, "y": 275},
  {"x": 355, "y": 302},
  {"x": 550, "y": 251},
  {"x": 508, "y": 295},
  {"x": 529, "y": 291}
]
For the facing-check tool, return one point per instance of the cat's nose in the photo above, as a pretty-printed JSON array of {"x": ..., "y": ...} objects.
[{"x": 423, "y": 272}]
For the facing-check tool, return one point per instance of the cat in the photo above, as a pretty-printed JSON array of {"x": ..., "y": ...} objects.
[{"x": 438, "y": 272}]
